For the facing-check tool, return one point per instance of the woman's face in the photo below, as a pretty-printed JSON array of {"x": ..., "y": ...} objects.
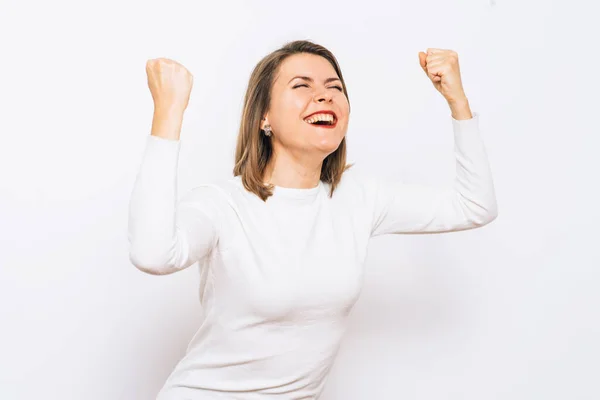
[{"x": 306, "y": 84}]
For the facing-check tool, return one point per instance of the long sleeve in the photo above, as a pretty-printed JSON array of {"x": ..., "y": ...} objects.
[
  {"x": 469, "y": 203},
  {"x": 166, "y": 235}
]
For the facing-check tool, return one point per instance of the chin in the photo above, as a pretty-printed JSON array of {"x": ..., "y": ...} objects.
[
  {"x": 327, "y": 146},
  {"x": 326, "y": 141}
]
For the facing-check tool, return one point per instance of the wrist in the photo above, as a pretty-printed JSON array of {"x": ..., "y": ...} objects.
[
  {"x": 460, "y": 101},
  {"x": 460, "y": 109},
  {"x": 167, "y": 123},
  {"x": 168, "y": 111}
]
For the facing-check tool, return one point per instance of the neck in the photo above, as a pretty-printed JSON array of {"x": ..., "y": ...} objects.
[{"x": 289, "y": 171}]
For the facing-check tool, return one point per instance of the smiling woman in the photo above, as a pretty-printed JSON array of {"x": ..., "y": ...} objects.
[
  {"x": 281, "y": 245},
  {"x": 300, "y": 80}
]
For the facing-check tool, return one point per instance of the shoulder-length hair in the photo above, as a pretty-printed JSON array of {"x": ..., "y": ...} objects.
[{"x": 254, "y": 149}]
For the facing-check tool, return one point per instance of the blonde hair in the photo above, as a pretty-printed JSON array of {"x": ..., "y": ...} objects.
[{"x": 254, "y": 150}]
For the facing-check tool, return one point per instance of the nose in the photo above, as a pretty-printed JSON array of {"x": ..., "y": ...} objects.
[{"x": 323, "y": 97}]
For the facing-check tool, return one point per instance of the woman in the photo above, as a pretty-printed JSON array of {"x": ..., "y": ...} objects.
[{"x": 281, "y": 246}]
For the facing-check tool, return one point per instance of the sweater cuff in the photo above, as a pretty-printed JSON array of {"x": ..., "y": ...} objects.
[
  {"x": 160, "y": 146},
  {"x": 472, "y": 124},
  {"x": 161, "y": 156}
]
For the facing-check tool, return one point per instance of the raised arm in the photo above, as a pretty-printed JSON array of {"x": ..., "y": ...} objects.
[
  {"x": 166, "y": 235},
  {"x": 469, "y": 203}
]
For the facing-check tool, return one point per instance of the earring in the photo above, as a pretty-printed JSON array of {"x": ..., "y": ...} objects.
[{"x": 267, "y": 130}]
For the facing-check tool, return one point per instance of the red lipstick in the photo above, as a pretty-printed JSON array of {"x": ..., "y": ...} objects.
[
  {"x": 327, "y": 126},
  {"x": 323, "y": 112}
]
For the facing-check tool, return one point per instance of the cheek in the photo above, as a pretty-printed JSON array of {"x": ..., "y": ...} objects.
[
  {"x": 287, "y": 111},
  {"x": 344, "y": 106},
  {"x": 344, "y": 110},
  {"x": 293, "y": 104}
]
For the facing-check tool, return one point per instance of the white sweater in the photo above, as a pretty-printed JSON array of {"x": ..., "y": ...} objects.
[{"x": 279, "y": 278}]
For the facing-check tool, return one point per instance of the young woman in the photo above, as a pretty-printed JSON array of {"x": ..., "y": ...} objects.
[{"x": 281, "y": 246}]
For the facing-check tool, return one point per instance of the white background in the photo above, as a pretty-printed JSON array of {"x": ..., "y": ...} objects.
[{"x": 507, "y": 311}]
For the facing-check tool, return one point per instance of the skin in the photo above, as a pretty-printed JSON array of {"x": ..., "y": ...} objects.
[
  {"x": 442, "y": 68},
  {"x": 300, "y": 148},
  {"x": 170, "y": 84}
]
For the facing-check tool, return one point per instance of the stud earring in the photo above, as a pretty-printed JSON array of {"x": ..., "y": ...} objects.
[{"x": 268, "y": 130}]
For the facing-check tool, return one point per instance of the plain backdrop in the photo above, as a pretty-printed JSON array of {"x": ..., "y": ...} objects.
[{"x": 507, "y": 311}]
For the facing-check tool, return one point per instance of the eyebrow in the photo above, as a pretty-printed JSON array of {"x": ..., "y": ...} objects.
[{"x": 308, "y": 78}]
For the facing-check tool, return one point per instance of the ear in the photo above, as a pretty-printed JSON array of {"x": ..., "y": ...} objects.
[{"x": 264, "y": 121}]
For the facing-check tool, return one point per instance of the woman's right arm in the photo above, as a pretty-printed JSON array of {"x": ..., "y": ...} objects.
[{"x": 166, "y": 235}]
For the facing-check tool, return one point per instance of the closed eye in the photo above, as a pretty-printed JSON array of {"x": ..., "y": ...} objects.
[{"x": 303, "y": 84}]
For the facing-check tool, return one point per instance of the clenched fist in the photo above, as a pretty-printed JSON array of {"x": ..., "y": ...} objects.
[
  {"x": 442, "y": 68},
  {"x": 170, "y": 84}
]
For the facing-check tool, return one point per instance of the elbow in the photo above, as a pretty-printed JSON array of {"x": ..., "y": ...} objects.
[
  {"x": 150, "y": 265},
  {"x": 492, "y": 211},
  {"x": 479, "y": 213},
  {"x": 490, "y": 215}
]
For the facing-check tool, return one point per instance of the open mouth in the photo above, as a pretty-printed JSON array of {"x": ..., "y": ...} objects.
[{"x": 325, "y": 120}]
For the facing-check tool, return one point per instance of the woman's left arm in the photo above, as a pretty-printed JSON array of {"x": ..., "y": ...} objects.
[{"x": 471, "y": 201}]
